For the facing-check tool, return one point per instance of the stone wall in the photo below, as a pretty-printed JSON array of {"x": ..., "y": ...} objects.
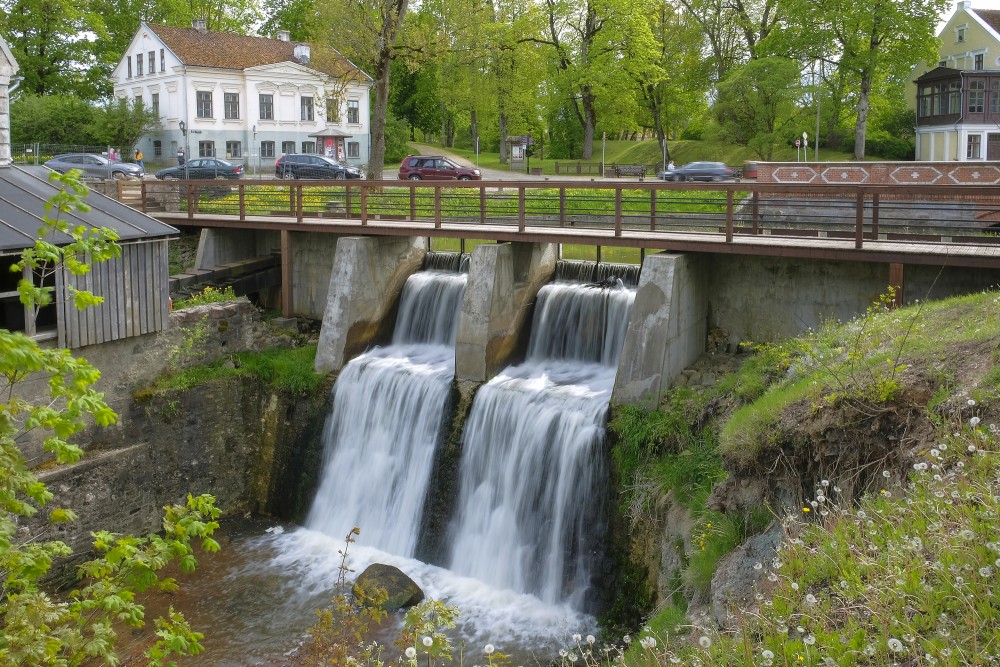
[{"x": 235, "y": 439}]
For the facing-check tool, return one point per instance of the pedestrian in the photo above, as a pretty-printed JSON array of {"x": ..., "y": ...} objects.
[
  {"x": 138, "y": 159},
  {"x": 670, "y": 166},
  {"x": 180, "y": 157},
  {"x": 112, "y": 154}
]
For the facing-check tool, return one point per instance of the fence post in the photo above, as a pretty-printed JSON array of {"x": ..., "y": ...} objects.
[
  {"x": 859, "y": 218},
  {"x": 618, "y": 211},
  {"x": 729, "y": 216}
]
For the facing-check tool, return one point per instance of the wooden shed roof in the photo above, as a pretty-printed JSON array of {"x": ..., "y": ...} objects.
[{"x": 24, "y": 193}]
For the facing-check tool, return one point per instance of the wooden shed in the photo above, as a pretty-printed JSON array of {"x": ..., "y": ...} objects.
[{"x": 135, "y": 286}]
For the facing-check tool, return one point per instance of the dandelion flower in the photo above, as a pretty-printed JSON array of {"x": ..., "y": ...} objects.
[
  {"x": 411, "y": 652},
  {"x": 974, "y": 422},
  {"x": 577, "y": 638},
  {"x": 488, "y": 649},
  {"x": 795, "y": 586},
  {"x": 427, "y": 641},
  {"x": 767, "y": 654},
  {"x": 810, "y": 599},
  {"x": 895, "y": 645},
  {"x": 809, "y": 640},
  {"x": 704, "y": 642},
  {"x": 806, "y": 509},
  {"x": 648, "y": 642},
  {"x": 967, "y": 534},
  {"x": 591, "y": 639},
  {"x": 758, "y": 566},
  {"x": 971, "y": 402},
  {"x": 627, "y": 639},
  {"x": 824, "y": 482},
  {"x": 886, "y": 474}
]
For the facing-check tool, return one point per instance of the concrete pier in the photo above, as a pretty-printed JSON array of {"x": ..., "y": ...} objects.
[
  {"x": 365, "y": 284},
  {"x": 666, "y": 329},
  {"x": 503, "y": 282}
]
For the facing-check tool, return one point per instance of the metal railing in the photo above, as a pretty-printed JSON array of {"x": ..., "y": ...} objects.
[{"x": 958, "y": 215}]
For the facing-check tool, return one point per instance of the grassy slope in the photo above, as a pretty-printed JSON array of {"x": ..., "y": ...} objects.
[
  {"x": 648, "y": 152},
  {"x": 907, "y": 575}
]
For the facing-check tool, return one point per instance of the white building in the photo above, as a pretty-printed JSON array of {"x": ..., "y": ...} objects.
[{"x": 249, "y": 99}]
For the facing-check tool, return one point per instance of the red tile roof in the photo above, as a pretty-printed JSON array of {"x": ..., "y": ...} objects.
[
  {"x": 991, "y": 16},
  {"x": 231, "y": 51}
]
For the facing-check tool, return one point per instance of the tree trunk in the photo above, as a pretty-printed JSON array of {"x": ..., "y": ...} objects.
[
  {"x": 589, "y": 118},
  {"x": 503, "y": 138},
  {"x": 861, "y": 127},
  {"x": 393, "y": 20},
  {"x": 473, "y": 129}
]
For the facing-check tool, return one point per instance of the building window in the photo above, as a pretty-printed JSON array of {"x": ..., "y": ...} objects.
[
  {"x": 353, "y": 149},
  {"x": 138, "y": 64},
  {"x": 157, "y": 148},
  {"x": 137, "y": 100},
  {"x": 353, "y": 114},
  {"x": 973, "y": 147},
  {"x": 977, "y": 96},
  {"x": 978, "y": 61},
  {"x": 206, "y": 149},
  {"x": 204, "y": 104},
  {"x": 234, "y": 149},
  {"x": 267, "y": 149},
  {"x": 953, "y": 103},
  {"x": 960, "y": 34},
  {"x": 154, "y": 103},
  {"x": 332, "y": 110},
  {"x": 128, "y": 59},
  {"x": 163, "y": 60},
  {"x": 267, "y": 107},
  {"x": 307, "y": 108},
  {"x": 231, "y": 102},
  {"x": 287, "y": 147},
  {"x": 995, "y": 97},
  {"x": 942, "y": 63},
  {"x": 309, "y": 147},
  {"x": 152, "y": 62}
]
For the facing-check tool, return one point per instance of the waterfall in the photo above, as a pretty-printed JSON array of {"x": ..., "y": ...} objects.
[
  {"x": 582, "y": 271},
  {"x": 388, "y": 407},
  {"x": 533, "y": 477},
  {"x": 454, "y": 262}
]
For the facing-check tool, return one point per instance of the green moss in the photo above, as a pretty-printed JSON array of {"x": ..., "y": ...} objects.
[{"x": 286, "y": 369}]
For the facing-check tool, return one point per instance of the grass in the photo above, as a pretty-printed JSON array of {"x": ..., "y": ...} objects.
[
  {"x": 287, "y": 369},
  {"x": 646, "y": 152}
]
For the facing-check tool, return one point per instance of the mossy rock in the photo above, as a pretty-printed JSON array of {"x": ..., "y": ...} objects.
[{"x": 401, "y": 591}]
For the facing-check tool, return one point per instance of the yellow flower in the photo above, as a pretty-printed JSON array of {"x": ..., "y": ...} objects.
[{"x": 806, "y": 509}]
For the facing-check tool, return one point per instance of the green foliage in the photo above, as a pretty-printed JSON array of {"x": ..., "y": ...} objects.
[
  {"x": 716, "y": 536},
  {"x": 287, "y": 369},
  {"x": 52, "y": 119},
  {"x": 396, "y": 136},
  {"x": 122, "y": 122},
  {"x": 206, "y": 296},
  {"x": 39, "y": 629}
]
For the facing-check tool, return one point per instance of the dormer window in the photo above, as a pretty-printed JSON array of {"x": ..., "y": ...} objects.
[{"x": 960, "y": 33}]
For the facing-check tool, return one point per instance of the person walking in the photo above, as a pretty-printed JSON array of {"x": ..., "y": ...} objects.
[
  {"x": 138, "y": 159},
  {"x": 180, "y": 157}
]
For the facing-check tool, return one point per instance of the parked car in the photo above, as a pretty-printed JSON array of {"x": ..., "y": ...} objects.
[
  {"x": 202, "y": 167},
  {"x": 304, "y": 165},
  {"x": 94, "y": 166},
  {"x": 698, "y": 171},
  {"x": 435, "y": 168}
]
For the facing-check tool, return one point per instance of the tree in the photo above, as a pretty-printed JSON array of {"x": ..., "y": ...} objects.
[
  {"x": 52, "y": 119},
  {"x": 757, "y": 104},
  {"x": 734, "y": 29},
  {"x": 599, "y": 47},
  {"x": 867, "y": 42},
  {"x": 365, "y": 31},
  {"x": 39, "y": 629},
  {"x": 122, "y": 122},
  {"x": 51, "y": 40}
]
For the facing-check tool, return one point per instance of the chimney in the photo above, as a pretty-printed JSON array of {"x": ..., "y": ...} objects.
[
  {"x": 301, "y": 54},
  {"x": 200, "y": 25},
  {"x": 284, "y": 35},
  {"x": 8, "y": 68},
  {"x": 965, "y": 4}
]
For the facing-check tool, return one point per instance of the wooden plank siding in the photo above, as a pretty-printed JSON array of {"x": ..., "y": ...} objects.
[{"x": 135, "y": 290}]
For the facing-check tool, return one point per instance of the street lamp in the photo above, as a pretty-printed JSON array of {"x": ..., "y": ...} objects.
[{"x": 184, "y": 131}]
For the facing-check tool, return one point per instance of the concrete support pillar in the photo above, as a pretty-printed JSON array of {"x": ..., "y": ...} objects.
[
  {"x": 365, "y": 283},
  {"x": 503, "y": 282},
  {"x": 221, "y": 246},
  {"x": 667, "y": 327}
]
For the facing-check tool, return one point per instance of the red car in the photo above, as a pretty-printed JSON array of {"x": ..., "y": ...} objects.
[{"x": 435, "y": 168}]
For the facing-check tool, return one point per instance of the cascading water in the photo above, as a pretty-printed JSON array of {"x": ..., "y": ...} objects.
[
  {"x": 388, "y": 406},
  {"x": 533, "y": 477}
]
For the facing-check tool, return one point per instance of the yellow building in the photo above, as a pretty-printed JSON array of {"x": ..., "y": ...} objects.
[{"x": 958, "y": 100}]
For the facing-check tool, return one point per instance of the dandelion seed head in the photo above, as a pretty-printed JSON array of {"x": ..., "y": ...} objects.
[
  {"x": 411, "y": 652},
  {"x": 427, "y": 641},
  {"x": 488, "y": 649},
  {"x": 704, "y": 642},
  {"x": 895, "y": 645}
]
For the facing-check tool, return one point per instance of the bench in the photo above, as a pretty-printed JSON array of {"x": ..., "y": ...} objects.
[{"x": 630, "y": 170}]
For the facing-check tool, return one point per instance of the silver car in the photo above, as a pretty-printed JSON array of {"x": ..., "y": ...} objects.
[{"x": 94, "y": 166}]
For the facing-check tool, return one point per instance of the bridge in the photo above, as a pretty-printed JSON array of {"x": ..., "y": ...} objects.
[{"x": 759, "y": 260}]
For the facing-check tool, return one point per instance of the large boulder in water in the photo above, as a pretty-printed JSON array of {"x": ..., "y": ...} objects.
[{"x": 402, "y": 591}]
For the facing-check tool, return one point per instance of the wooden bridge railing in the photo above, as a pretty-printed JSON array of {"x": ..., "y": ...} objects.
[{"x": 934, "y": 214}]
